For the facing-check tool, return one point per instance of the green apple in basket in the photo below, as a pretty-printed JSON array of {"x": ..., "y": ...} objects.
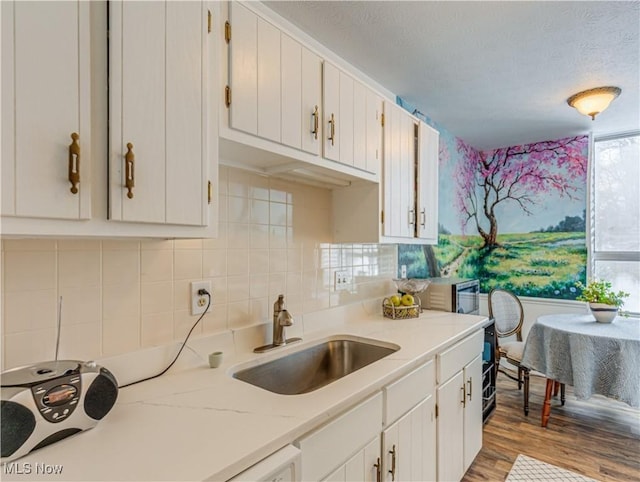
[{"x": 407, "y": 300}]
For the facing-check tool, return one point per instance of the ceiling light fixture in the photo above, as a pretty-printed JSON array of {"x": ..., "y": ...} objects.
[{"x": 593, "y": 101}]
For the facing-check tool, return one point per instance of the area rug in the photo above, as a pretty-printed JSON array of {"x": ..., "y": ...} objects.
[{"x": 528, "y": 468}]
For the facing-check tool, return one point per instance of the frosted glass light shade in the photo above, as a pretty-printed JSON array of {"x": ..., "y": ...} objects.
[{"x": 593, "y": 101}]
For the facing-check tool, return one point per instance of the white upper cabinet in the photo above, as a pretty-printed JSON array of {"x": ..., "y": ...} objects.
[
  {"x": 352, "y": 121},
  {"x": 243, "y": 69},
  {"x": 291, "y": 112},
  {"x": 427, "y": 201},
  {"x": 404, "y": 207},
  {"x": 159, "y": 110},
  {"x": 301, "y": 94},
  {"x": 398, "y": 185},
  {"x": 331, "y": 110},
  {"x": 46, "y": 126},
  {"x": 269, "y": 78},
  {"x": 311, "y": 102},
  {"x": 291, "y": 91},
  {"x": 274, "y": 89}
]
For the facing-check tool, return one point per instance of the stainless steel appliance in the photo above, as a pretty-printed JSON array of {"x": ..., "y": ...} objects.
[{"x": 456, "y": 295}]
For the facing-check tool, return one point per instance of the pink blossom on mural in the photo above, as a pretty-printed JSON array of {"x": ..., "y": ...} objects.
[{"x": 518, "y": 174}]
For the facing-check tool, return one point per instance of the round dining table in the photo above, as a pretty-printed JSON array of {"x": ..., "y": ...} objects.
[{"x": 594, "y": 358}]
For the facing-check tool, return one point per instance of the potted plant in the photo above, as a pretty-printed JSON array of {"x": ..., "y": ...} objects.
[{"x": 603, "y": 301}]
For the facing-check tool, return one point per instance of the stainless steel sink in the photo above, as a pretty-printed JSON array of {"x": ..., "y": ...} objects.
[{"x": 313, "y": 367}]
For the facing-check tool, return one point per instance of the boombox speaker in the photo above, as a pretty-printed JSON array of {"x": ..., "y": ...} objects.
[{"x": 49, "y": 401}]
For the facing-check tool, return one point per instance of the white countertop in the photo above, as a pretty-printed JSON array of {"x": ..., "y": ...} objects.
[{"x": 198, "y": 423}]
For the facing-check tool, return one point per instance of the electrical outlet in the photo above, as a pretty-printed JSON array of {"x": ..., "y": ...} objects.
[
  {"x": 403, "y": 271},
  {"x": 199, "y": 302},
  {"x": 342, "y": 280}
]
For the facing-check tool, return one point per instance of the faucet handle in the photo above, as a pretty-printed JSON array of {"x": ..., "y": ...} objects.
[{"x": 285, "y": 318}]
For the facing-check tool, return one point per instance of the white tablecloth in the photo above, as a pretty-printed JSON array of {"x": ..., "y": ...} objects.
[{"x": 594, "y": 358}]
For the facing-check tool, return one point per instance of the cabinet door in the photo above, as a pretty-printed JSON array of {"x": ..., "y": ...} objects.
[
  {"x": 345, "y": 124},
  {"x": 159, "y": 112},
  {"x": 399, "y": 173},
  {"x": 428, "y": 184},
  {"x": 391, "y": 171},
  {"x": 311, "y": 102},
  {"x": 291, "y": 79},
  {"x": 409, "y": 445},
  {"x": 331, "y": 108},
  {"x": 362, "y": 466},
  {"x": 473, "y": 411},
  {"x": 359, "y": 125},
  {"x": 243, "y": 69},
  {"x": 269, "y": 102},
  {"x": 451, "y": 399},
  {"x": 45, "y": 99},
  {"x": 374, "y": 132}
]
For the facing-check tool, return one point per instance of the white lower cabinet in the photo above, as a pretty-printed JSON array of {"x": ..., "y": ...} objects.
[
  {"x": 398, "y": 434},
  {"x": 459, "y": 399},
  {"x": 281, "y": 466},
  {"x": 409, "y": 445},
  {"x": 375, "y": 441},
  {"x": 363, "y": 466},
  {"x": 332, "y": 446}
]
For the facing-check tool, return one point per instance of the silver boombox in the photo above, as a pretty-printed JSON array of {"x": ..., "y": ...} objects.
[{"x": 49, "y": 401}]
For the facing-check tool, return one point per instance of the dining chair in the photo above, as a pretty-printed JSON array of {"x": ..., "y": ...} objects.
[{"x": 506, "y": 309}]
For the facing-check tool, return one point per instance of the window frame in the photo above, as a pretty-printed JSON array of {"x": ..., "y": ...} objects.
[{"x": 594, "y": 255}]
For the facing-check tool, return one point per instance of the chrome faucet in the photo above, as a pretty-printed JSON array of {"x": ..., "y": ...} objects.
[{"x": 281, "y": 319}]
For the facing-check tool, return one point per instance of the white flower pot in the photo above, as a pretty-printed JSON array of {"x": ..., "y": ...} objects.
[{"x": 603, "y": 313}]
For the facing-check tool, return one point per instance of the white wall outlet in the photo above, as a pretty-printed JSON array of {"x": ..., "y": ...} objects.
[
  {"x": 403, "y": 271},
  {"x": 199, "y": 302},
  {"x": 342, "y": 280}
]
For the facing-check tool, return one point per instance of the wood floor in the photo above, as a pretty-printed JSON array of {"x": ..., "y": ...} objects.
[{"x": 599, "y": 438}]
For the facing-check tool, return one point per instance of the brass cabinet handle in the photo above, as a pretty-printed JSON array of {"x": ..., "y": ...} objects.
[
  {"x": 332, "y": 130},
  {"x": 412, "y": 217},
  {"x": 464, "y": 398},
  {"x": 130, "y": 176},
  {"x": 470, "y": 385},
  {"x": 378, "y": 470},
  {"x": 393, "y": 462},
  {"x": 315, "y": 123},
  {"x": 74, "y": 163},
  {"x": 423, "y": 215}
]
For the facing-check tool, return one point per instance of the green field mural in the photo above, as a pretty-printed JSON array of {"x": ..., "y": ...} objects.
[{"x": 512, "y": 217}]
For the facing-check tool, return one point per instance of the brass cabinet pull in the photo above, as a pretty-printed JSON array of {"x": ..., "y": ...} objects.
[
  {"x": 332, "y": 130},
  {"x": 74, "y": 163},
  {"x": 470, "y": 385},
  {"x": 423, "y": 215},
  {"x": 130, "y": 176},
  {"x": 378, "y": 470},
  {"x": 315, "y": 123},
  {"x": 464, "y": 399},
  {"x": 393, "y": 462}
]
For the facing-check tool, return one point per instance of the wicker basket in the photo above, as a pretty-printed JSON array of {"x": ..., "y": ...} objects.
[{"x": 401, "y": 312}]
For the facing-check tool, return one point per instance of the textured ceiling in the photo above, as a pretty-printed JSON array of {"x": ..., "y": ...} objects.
[{"x": 493, "y": 73}]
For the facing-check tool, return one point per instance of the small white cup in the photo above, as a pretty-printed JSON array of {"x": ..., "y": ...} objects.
[{"x": 215, "y": 359}]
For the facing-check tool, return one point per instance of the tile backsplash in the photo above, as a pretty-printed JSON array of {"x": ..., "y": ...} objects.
[{"x": 122, "y": 295}]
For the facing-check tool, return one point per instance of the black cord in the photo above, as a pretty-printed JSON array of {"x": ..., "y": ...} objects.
[{"x": 181, "y": 348}]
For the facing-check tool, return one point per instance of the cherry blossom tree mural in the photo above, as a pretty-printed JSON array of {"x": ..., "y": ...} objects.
[
  {"x": 520, "y": 175},
  {"x": 513, "y": 217}
]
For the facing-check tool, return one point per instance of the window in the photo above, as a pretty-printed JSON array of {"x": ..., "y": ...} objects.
[{"x": 615, "y": 215}]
